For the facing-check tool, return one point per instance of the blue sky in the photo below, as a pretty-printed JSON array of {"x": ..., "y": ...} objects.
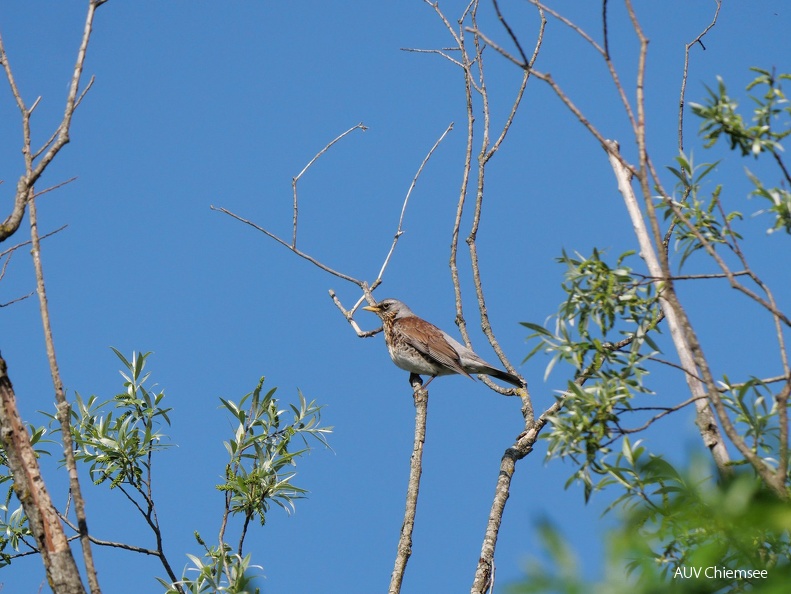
[{"x": 210, "y": 103}]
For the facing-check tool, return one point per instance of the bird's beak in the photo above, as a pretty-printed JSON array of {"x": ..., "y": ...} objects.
[{"x": 373, "y": 308}]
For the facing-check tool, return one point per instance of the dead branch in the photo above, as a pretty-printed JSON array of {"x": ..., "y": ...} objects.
[{"x": 294, "y": 180}]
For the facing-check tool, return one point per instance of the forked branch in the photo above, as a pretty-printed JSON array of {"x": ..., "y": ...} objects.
[{"x": 35, "y": 168}]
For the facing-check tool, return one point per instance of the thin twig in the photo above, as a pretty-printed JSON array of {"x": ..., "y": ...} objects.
[
  {"x": 298, "y": 252},
  {"x": 55, "y": 187},
  {"x": 110, "y": 543},
  {"x": 511, "y": 34},
  {"x": 665, "y": 411},
  {"x": 366, "y": 289},
  {"x": 295, "y": 179},
  {"x": 434, "y": 51},
  {"x": 675, "y": 277},
  {"x": 27, "y": 242},
  {"x": 18, "y": 299},
  {"x": 781, "y": 164},
  {"x": 399, "y": 229},
  {"x": 604, "y": 52},
  {"x": 761, "y": 381},
  {"x": 466, "y": 168},
  {"x": 687, "y": 47}
]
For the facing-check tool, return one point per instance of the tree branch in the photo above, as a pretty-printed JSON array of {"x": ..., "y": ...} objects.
[
  {"x": 61, "y": 569},
  {"x": 34, "y": 171},
  {"x": 688, "y": 47},
  {"x": 404, "y": 550},
  {"x": 295, "y": 179},
  {"x": 64, "y": 409}
]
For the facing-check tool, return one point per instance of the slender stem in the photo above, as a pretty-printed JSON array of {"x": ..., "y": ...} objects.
[
  {"x": 296, "y": 178},
  {"x": 688, "y": 47},
  {"x": 404, "y": 550},
  {"x": 399, "y": 229},
  {"x": 110, "y": 543},
  {"x": 243, "y": 534},
  {"x": 61, "y": 134},
  {"x": 298, "y": 252},
  {"x": 64, "y": 409}
]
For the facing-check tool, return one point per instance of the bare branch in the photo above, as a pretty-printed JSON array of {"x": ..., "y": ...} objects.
[
  {"x": 33, "y": 171},
  {"x": 415, "y": 470},
  {"x": 434, "y": 51},
  {"x": 292, "y": 246},
  {"x": 675, "y": 277},
  {"x": 687, "y": 47},
  {"x": 28, "y": 242},
  {"x": 349, "y": 313},
  {"x": 604, "y": 52},
  {"x": 18, "y": 299},
  {"x": 513, "y": 37},
  {"x": 110, "y": 543},
  {"x": 484, "y": 575},
  {"x": 64, "y": 409},
  {"x": 295, "y": 179},
  {"x": 55, "y": 187},
  {"x": 399, "y": 229},
  {"x": 485, "y": 155},
  {"x": 665, "y": 411},
  {"x": 298, "y": 252},
  {"x": 9, "y": 252}
]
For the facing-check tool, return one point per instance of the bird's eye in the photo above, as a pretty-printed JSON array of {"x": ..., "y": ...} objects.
[{"x": 385, "y": 305}]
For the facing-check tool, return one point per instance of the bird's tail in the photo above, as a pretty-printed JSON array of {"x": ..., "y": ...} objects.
[{"x": 507, "y": 377}]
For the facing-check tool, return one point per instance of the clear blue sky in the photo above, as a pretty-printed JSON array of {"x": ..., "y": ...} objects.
[{"x": 200, "y": 103}]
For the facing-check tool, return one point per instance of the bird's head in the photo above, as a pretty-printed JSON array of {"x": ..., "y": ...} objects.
[{"x": 390, "y": 308}]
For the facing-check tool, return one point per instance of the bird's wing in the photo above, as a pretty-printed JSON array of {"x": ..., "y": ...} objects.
[{"x": 432, "y": 342}]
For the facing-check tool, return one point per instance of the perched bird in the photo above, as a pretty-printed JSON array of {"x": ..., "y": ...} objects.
[{"x": 423, "y": 349}]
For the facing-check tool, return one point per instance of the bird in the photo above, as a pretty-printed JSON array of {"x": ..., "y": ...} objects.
[{"x": 421, "y": 348}]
